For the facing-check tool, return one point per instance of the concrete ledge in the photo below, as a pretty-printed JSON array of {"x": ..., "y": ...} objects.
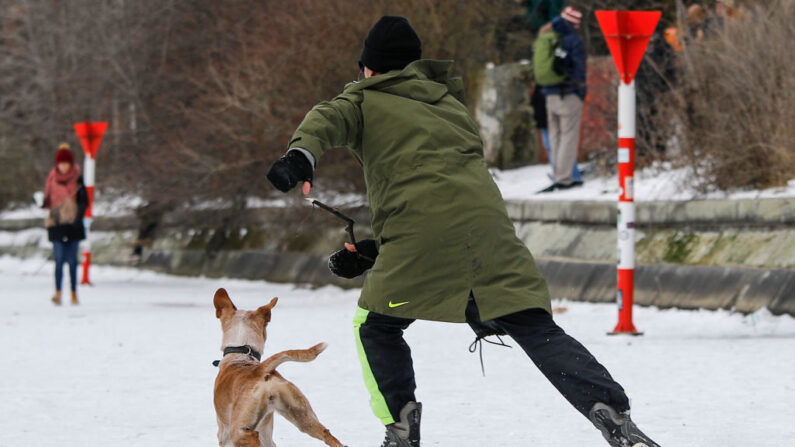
[
  {"x": 256, "y": 265},
  {"x": 743, "y": 290},
  {"x": 663, "y": 285},
  {"x": 768, "y": 248},
  {"x": 574, "y": 243},
  {"x": 709, "y": 213},
  {"x": 669, "y": 285},
  {"x": 209, "y": 218},
  {"x": 21, "y": 224},
  {"x": 712, "y": 213}
]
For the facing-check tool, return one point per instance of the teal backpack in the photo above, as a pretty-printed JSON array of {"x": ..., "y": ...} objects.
[{"x": 547, "y": 60}]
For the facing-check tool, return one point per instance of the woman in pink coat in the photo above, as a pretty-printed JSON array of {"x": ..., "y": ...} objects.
[{"x": 66, "y": 199}]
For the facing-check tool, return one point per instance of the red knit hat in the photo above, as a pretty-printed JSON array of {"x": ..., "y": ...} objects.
[
  {"x": 64, "y": 155},
  {"x": 572, "y": 15}
]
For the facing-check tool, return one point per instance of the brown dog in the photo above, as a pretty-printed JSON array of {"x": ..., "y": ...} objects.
[{"x": 248, "y": 392}]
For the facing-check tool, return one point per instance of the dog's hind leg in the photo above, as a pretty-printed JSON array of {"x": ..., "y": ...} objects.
[
  {"x": 245, "y": 438},
  {"x": 296, "y": 409},
  {"x": 265, "y": 429}
]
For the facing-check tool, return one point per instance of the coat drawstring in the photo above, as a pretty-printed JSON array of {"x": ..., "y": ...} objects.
[{"x": 477, "y": 345}]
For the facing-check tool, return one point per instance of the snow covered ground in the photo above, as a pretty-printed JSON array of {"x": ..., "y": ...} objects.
[
  {"x": 660, "y": 182},
  {"x": 131, "y": 366}
]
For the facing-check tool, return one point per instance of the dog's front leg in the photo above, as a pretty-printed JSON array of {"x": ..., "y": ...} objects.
[
  {"x": 223, "y": 433},
  {"x": 249, "y": 417},
  {"x": 265, "y": 429}
]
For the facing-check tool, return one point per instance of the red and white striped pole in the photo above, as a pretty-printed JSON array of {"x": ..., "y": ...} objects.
[
  {"x": 625, "y": 221},
  {"x": 89, "y": 170},
  {"x": 627, "y": 34},
  {"x": 90, "y": 135}
]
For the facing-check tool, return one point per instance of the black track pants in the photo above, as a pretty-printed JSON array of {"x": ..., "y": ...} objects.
[
  {"x": 574, "y": 371},
  {"x": 386, "y": 362},
  {"x": 389, "y": 372}
]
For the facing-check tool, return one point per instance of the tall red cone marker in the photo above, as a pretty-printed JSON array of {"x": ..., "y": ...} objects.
[
  {"x": 90, "y": 135},
  {"x": 627, "y": 34}
]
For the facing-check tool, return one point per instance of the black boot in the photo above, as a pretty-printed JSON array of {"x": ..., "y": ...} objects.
[
  {"x": 617, "y": 428},
  {"x": 406, "y": 432}
]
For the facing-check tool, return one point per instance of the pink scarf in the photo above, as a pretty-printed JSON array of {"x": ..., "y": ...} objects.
[{"x": 61, "y": 186}]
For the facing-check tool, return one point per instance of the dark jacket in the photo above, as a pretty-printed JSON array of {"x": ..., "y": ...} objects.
[
  {"x": 657, "y": 71},
  {"x": 539, "y": 12},
  {"x": 438, "y": 217},
  {"x": 575, "y": 62},
  {"x": 74, "y": 231}
]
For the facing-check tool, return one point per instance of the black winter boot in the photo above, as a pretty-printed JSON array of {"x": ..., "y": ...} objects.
[
  {"x": 617, "y": 428},
  {"x": 406, "y": 432}
]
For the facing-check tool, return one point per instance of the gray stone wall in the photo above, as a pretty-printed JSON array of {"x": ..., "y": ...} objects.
[
  {"x": 502, "y": 109},
  {"x": 749, "y": 233},
  {"x": 736, "y": 255}
]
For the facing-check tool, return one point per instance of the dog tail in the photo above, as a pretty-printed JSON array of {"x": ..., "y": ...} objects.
[{"x": 293, "y": 355}]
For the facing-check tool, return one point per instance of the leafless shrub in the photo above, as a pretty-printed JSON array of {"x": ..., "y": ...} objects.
[
  {"x": 201, "y": 95},
  {"x": 737, "y": 101},
  {"x": 266, "y": 72},
  {"x": 64, "y": 62}
]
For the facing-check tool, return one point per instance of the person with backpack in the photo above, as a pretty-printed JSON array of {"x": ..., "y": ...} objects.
[
  {"x": 444, "y": 248},
  {"x": 539, "y": 105},
  {"x": 559, "y": 67}
]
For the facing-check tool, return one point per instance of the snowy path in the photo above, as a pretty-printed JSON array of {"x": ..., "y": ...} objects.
[{"x": 131, "y": 367}]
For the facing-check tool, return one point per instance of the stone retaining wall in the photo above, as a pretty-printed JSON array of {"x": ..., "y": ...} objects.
[
  {"x": 676, "y": 286},
  {"x": 749, "y": 233},
  {"x": 712, "y": 254}
]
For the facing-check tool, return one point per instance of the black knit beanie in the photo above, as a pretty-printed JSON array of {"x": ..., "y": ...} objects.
[{"x": 390, "y": 45}]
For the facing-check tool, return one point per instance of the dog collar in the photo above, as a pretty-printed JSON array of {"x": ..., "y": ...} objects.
[{"x": 240, "y": 350}]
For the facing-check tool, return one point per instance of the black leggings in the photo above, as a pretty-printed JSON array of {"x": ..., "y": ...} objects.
[{"x": 565, "y": 362}]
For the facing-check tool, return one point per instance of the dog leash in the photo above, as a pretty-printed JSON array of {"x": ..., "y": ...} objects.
[{"x": 344, "y": 218}]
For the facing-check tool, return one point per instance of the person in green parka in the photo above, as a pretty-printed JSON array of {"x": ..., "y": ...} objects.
[{"x": 444, "y": 248}]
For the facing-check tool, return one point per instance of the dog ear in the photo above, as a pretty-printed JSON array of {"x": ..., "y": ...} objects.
[
  {"x": 222, "y": 302},
  {"x": 265, "y": 311}
]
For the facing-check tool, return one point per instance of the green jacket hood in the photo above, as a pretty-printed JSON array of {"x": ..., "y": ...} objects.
[{"x": 424, "y": 80}]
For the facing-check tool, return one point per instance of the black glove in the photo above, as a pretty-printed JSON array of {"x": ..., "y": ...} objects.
[
  {"x": 291, "y": 168},
  {"x": 348, "y": 264}
]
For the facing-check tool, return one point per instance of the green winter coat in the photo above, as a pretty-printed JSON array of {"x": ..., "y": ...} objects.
[{"x": 437, "y": 216}]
